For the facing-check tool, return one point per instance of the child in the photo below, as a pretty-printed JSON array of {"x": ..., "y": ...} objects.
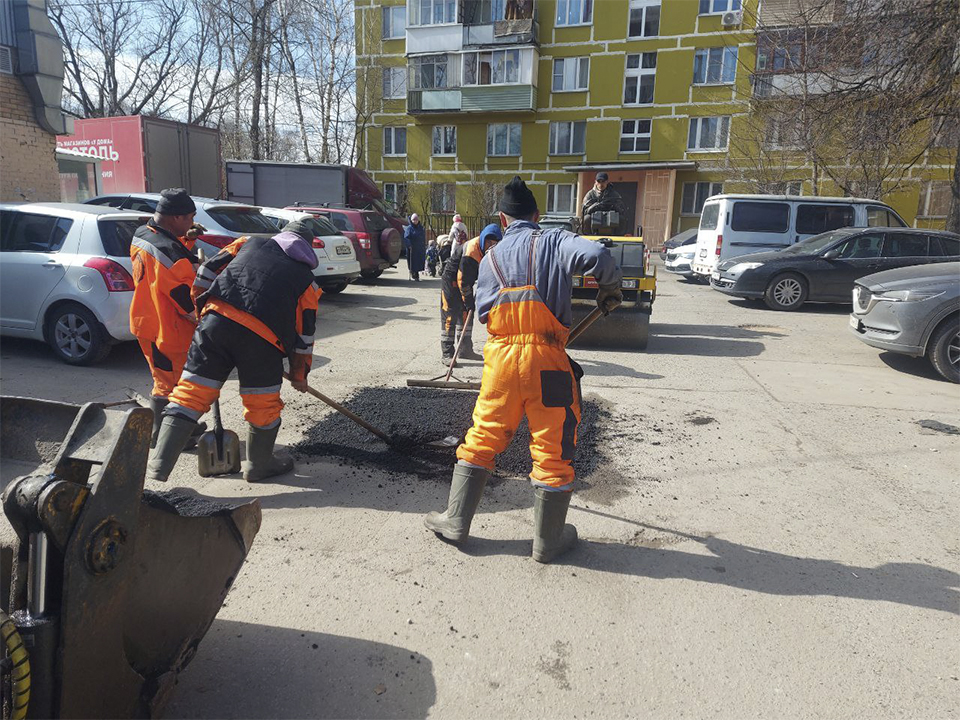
[{"x": 433, "y": 257}]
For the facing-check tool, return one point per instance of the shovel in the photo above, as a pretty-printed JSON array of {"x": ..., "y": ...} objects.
[{"x": 218, "y": 450}]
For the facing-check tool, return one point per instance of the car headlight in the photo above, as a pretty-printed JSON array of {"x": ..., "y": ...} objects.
[
  {"x": 743, "y": 267},
  {"x": 629, "y": 284},
  {"x": 577, "y": 282},
  {"x": 907, "y": 295}
]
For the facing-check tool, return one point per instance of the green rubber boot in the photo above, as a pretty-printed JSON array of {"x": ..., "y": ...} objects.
[
  {"x": 157, "y": 404},
  {"x": 173, "y": 435},
  {"x": 552, "y": 537},
  {"x": 466, "y": 489},
  {"x": 261, "y": 462}
]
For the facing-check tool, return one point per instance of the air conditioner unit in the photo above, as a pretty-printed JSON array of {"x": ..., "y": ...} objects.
[{"x": 733, "y": 17}]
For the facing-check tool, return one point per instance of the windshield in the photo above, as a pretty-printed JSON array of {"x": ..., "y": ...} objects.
[
  {"x": 813, "y": 245},
  {"x": 242, "y": 219}
]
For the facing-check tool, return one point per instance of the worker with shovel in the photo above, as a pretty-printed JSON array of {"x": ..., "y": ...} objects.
[
  {"x": 258, "y": 300},
  {"x": 523, "y": 294}
]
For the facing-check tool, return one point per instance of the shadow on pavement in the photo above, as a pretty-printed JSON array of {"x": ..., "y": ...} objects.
[
  {"x": 916, "y": 366},
  {"x": 706, "y": 340},
  {"x": 599, "y": 368},
  {"x": 246, "y": 670},
  {"x": 810, "y": 308}
]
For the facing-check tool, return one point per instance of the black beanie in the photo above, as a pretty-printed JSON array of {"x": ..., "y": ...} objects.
[
  {"x": 175, "y": 201},
  {"x": 517, "y": 201},
  {"x": 301, "y": 228}
]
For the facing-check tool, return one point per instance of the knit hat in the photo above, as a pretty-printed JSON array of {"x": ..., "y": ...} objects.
[
  {"x": 301, "y": 228},
  {"x": 175, "y": 201},
  {"x": 492, "y": 230},
  {"x": 517, "y": 201}
]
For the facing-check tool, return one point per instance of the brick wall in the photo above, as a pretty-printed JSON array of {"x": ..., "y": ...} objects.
[{"x": 28, "y": 162}]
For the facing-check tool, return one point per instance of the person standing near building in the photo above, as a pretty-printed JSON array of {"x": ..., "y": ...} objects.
[
  {"x": 415, "y": 242},
  {"x": 601, "y": 198},
  {"x": 523, "y": 295}
]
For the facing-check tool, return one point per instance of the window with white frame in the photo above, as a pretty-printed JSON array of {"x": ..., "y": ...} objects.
[
  {"x": 571, "y": 74},
  {"x": 432, "y": 12},
  {"x": 394, "y": 141},
  {"x": 787, "y": 187},
  {"x": 482, "y": 12},
  {"x": 635, "y": 136},
  {"x": 708, "y": 133},
  {"x": 496, "y": 67},
  {"x": 503, "y": 139},
  {"x": 443, "y": 197},
  {"x": 434, "y": 72},
  {"x": 715, "y": 66},
  {"x": 935, "y": 199},
  {"x": 394, "y": 22},
  {"x": 396, "y": 194},
  {"x": 444, "y": 139},
  {"x": 644, "y": 18},
  {"x": 640, "y": 78},
  {"x": 560, "y": 198},
  {"x": 568, "y": 138},
  {"x": 394, "y": 83},
  {"x": 784, "y": 132},
  {"x": 574, "y": 12},
  {"x": 708, "y": 7},
  {"x": 694, "y": 194}
]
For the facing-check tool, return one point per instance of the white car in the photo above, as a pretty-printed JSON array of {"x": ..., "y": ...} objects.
[
  {"x": 680, "y": 259},
  {"x": 65, "y": 276},
  {"x": 338, "y": 260}
]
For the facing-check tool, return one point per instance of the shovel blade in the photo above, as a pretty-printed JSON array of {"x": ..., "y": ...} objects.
[{"x": 211, "y": 462}]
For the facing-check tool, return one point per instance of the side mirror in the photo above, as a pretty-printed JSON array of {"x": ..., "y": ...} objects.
[{"x": 831, "y": 254}]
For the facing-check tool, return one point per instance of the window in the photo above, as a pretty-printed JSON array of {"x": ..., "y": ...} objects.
[
  {"x": 341, "y": 222},
  {"x": 709, "y": 133},
  {"x": 883, "y": 217},
  {"x": 815, "y": 219},
  {"x": 761, "y": 217},
  {"x": 568, "y": 138},
  {"x": 935, "y": 199},
  {"x": 444, "y": 139},
  {"x": 715, "y": 66},
  {"x": 635, "y": 136},
  {"x": 942, "y": 246},
  {"x": 139, "y": 205},
  {"x": 571, "y": 74},
  {"x": 395, "y": 193},
  {"x": 785, "y": 132},
  {"x": 861, "y": 247},
  {"x": 394, "y": 22},
  {"x": 394, "y": 141},
  {"x": 443, "y": 197},
  {"x": 433, "y": 72},
  {"x": 394, "y": 83},
  {"x": 241, "y": 219},
  {"x": 899, "y": 245},
  {"x": 560, "y": 198},
  {"x": 644, "y": 18},
  {"x": 708, "y": 7},
  {"x": 574, "y": 12},
  {"x": 482, "y": 12},
  {"x": 640, "y": 77},
  {"x": 26, "y": 232},
  {"x": 710, "y": 217},
  {"x": 503, "y": 139},
  {"x": 498, "y": 67},
  {"x": 432, "y": 12},
  {"x": 694, "y": 194},
  {"x": 116, "y": 235}
]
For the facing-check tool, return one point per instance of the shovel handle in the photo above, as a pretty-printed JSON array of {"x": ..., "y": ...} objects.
[
  {"x": 584, "y": 324},
  {"x": 218, "y": 427},
  {"x": 456, "y": 351},
  {"x": 343, "y": 411}
]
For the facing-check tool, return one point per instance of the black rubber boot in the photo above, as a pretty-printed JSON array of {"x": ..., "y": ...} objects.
[
  {"x": 261, "y": 462},
  {"x": 173, "y": 435},
  {"x": 466, "y": 489},
  {"x": 157, "y": 404},
  {"x": 551, "y": 536},
  {"x": 467, "y": 353}
]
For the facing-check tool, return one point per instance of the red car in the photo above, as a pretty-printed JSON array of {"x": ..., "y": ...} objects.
[{"x": 376, "y": 240}]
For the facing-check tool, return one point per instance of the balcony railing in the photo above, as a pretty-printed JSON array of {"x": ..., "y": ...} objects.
[
  {"x": 427, "y": 101},
  {"x": 502, "y": 32}
]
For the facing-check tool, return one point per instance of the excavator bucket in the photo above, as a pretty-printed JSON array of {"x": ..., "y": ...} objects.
[{"x": 112, "y": 588}]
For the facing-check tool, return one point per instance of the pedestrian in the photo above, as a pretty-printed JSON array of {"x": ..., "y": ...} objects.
[
  {"x": 601, "y": 198},
  {"x": 458, "y": 233},
  {"x": 258, "y": 300},
  {"x": 415, "y": 241},
  {"x": 162, "y": 314},
  {"x": 433, "y": 257},
  {"x": 523, "y": 295}
]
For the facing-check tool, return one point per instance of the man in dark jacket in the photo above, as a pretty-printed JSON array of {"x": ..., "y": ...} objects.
[
  {"x": 415, "y": 241},
  {"x": 601, "y": 198}
]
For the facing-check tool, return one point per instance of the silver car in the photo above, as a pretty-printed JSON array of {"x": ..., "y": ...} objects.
[
  {"x": 914, "y": 311},
  {"x": 65, "y": 276}
]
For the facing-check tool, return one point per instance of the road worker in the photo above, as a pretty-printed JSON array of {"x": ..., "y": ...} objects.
[
  {"x": 162, "y": 314},
  {"x": 523, "y": 295},
  {"x": 258, "y": 301}
]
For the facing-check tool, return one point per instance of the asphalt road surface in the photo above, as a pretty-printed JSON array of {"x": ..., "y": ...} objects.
[{"x": 767, "y": 531}]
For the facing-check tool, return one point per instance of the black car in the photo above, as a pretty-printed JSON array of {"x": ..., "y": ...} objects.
[
  {"x": 823, "y": 268},
  {"x": 687, "y": 237}
]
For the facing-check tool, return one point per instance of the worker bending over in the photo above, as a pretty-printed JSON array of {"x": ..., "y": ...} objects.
[
  {"x": 258, "y": 300},
  {"x": 523, "y": 295},
  {"x": 162, "y": 314}
]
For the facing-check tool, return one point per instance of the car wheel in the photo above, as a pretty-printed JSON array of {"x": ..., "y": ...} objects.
[
  {"x": 76, "y": 336},
  {"x": 944, "y": 349},
  {"x": 371, "y": 274},
  {"x": 335, "y": 289},
  {"x": 786, "y": 292}
]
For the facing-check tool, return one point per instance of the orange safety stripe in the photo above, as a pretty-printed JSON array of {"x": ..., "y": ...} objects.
[{"x": 243, "y": 318}]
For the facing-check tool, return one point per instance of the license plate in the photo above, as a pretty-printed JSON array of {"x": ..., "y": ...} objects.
[
  {"x": 343, "y": 250},
  {"x": 715, "y": 276},
  {"x": 854, "y": 322}
]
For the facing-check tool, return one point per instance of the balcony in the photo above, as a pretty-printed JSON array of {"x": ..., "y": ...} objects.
[
  {"x": 498, "y": 98},
  {"x": 502, "y": 32},
  {"x": 769, "y": 85},
  {"x": 434, "y": 39},
  {"x": 433, "y": 101}
]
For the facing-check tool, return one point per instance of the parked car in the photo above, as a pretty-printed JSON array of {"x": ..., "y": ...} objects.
[
  {"x": 678, "y": 258},
  {"x": 914, "y": 311},
  {"x": 224, "y": 221},
  {"x": 687, "y": 237},
  {"x": 376, "y": 242},
  {"x": 65, "y": 276},
  {"x": 338, "y": 260},
  {"x": 734, "y": 225},
  {"x": 824, "y": 268}
]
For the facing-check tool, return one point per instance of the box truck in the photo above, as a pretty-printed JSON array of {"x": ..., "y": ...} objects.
[{"x": 146, "y": 154}]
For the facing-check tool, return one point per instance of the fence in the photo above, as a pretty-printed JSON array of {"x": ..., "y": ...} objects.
[{"x": 438, "y": 225}]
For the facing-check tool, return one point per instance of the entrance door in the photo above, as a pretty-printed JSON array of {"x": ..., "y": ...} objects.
[
  {"x": 657, "y": 206},
  {"x": 628, "y": 191}
]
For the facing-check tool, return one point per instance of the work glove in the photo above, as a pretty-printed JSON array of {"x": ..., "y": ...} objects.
[
  {"x": 608, "y": 298},
  {"x": 299, "y": 367},
  {"x": 195, "y": 231}
]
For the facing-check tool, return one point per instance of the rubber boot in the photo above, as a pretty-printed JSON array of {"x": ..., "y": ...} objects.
[
  {"x": 261, "y": 462},
  {"x": 447, "y": 349},
  {"x": 552, "y": 537},
  {"x": 467, "y": 353},
  {"x": 157, "y": 404},
  {"x": 173, "y": 435},
  {"x": 466, "y": 489}
]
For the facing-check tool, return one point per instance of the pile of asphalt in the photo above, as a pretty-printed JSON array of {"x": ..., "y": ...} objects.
[
  {"x": 186, "y": 503},
  {"x": 414, "y": 417}
]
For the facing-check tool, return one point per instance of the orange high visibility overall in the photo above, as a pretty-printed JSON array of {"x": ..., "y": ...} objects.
[{"x": 526, "y": 371}]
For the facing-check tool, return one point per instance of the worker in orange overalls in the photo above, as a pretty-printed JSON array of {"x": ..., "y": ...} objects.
[
  {"x": 523, "y": 295},
  {"x": 258, "y": 300},
  {"x": 162, "y": 315}
]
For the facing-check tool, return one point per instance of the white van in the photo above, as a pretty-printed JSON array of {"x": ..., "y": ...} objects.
[{"x": 732, "y": 225}]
